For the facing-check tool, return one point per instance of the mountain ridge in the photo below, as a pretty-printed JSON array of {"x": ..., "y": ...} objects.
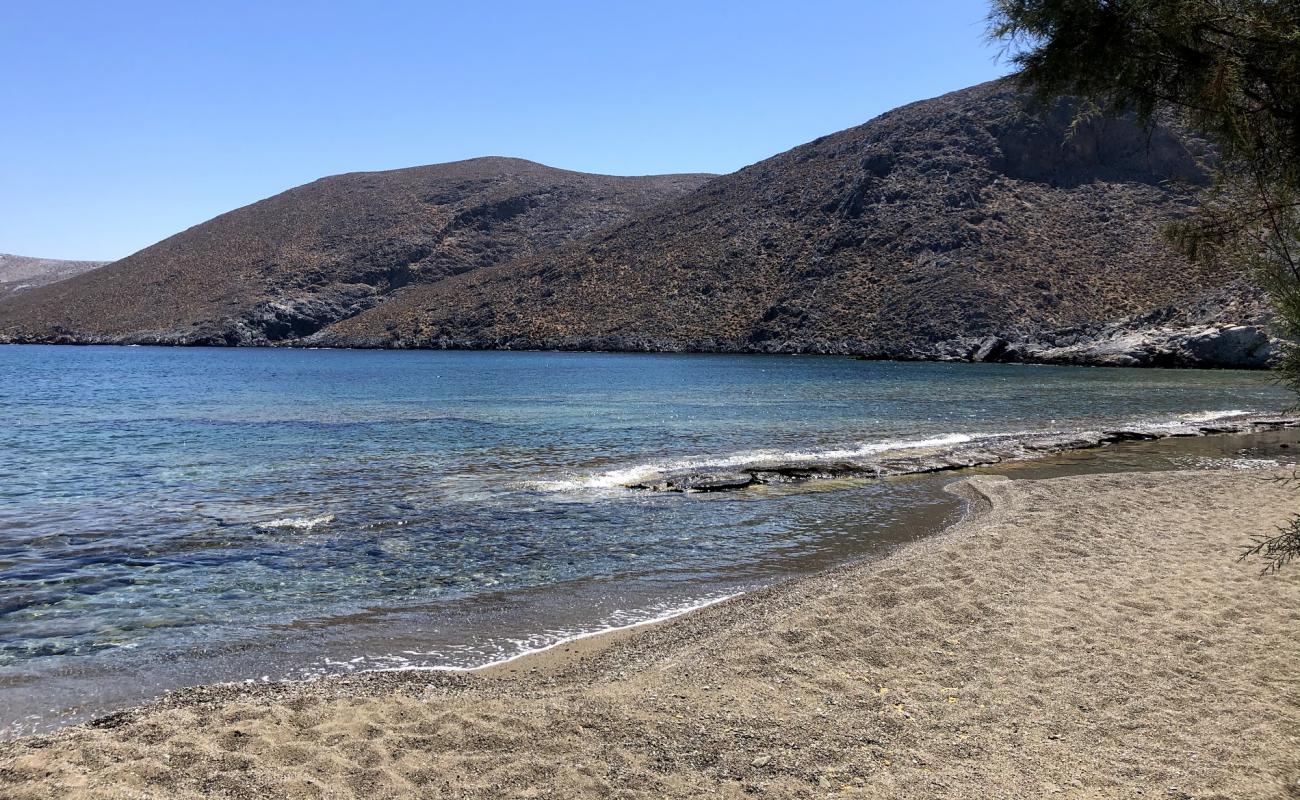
[
  {"x": 287, "y": 265},
  {"x": 919, "y": 234},
  {"x": 969, "y": 226}
]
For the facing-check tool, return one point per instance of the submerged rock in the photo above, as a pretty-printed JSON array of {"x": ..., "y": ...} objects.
[{"x": 699, "y": 482}]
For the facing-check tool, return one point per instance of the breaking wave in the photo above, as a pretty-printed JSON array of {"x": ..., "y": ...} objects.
[
  {"x": 504, "y": 651},
  {"x": 949, "y": 443},
  {"x": 297, "y": 523},
  {"x": 1213, "y": 416},
  {"x": 616, "y": 478}
]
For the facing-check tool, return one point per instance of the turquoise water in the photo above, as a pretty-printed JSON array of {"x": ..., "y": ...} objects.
[{"x": 170, "y": 516}]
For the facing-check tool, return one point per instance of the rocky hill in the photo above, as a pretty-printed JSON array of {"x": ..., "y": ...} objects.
[
  {"x": 965, "y": 226},
  {"x": 21, "y": 273},
  {"x": 284, "y": 267}
]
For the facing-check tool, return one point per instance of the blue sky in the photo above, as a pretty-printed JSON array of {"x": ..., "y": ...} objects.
[{"x": 127, "y": 122}]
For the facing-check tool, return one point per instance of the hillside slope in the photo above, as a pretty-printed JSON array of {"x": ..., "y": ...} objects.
[
  {"x": 287, "y": 265},
  {"x": 922, "y": 233},
  {"x": 23, "y": 273}
]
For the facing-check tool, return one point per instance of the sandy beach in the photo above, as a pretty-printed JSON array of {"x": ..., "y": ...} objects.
[{"x": 1082, "y": 637}]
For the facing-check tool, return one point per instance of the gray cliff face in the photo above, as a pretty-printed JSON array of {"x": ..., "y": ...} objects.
[
  {"x": 1229, "y": 346},
  {"x": 1241, "y": 346},
  {"x": 1231, "y": 328}
]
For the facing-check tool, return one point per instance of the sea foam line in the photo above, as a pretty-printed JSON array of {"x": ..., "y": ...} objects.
[
  {"x": 638, "y": 473},
  {"x": 1211, "y": 416},
  {"x": 664, "y": 617},
  {"x": 616, "y": 478}
]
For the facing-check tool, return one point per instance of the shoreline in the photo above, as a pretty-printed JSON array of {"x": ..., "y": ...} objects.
[
  {"x": 557, "y": 658},
  {"x": 585, "y": 643},
  {"x": 956, "y": 665},
  {"x": 1024, "y": 454},
  {"x": 468, "y": 476},
  {"x": 941, "y": 454},
  {"x": 1138, "y": 349}
]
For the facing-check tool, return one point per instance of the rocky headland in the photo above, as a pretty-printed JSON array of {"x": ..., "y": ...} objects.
[
  {"x": 287, "y": 266},
  {"x": 967, "y": 227}
]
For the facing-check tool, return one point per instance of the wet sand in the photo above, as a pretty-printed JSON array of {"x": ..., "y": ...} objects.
[{"x": 1089, "y": 636}]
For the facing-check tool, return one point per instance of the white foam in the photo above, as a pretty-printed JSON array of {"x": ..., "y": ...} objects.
[
  {"x": 1237, "y": 463},
  {"x": 1211, "y": 416},
  {"x": 615, "y": 478},
  {"x": 1195, "y": 418},
  {"x": 639, "y": 473},
  {"x": 527, "y": 649},
  {"x": 298, "y": 523}
]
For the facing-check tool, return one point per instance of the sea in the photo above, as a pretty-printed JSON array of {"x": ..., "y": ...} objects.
[{"x": 179, "y": 516}]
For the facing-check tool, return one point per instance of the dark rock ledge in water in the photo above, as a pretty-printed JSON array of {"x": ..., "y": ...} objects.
[{"x": 911, "y": 461}]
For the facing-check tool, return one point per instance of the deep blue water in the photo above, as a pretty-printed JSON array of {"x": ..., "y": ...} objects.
[{"x": 177, "y": 515}]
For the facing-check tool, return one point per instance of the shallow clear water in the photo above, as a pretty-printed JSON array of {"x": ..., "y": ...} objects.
[{"x": 170, "y": 516}]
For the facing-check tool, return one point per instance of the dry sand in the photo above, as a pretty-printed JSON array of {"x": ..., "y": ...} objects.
[{"x": 1087, "y": 636}]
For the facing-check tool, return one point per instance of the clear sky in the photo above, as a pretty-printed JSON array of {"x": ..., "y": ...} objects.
[{"x": 128, "y": 121}]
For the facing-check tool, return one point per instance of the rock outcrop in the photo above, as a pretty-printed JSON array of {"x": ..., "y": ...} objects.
[
  {"x": 1204, "y": 334},
  {"x": 1238, "y": 346}
]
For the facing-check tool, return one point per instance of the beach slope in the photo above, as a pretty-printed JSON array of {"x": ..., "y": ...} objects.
[{"x": 1082, "y": 637}]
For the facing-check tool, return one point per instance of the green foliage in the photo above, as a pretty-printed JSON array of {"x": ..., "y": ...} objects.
[
  {"x": 1278, "y": 550},
  {"x": 1233, "y": 68},
  {"x": 1229, "y": 69}
]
